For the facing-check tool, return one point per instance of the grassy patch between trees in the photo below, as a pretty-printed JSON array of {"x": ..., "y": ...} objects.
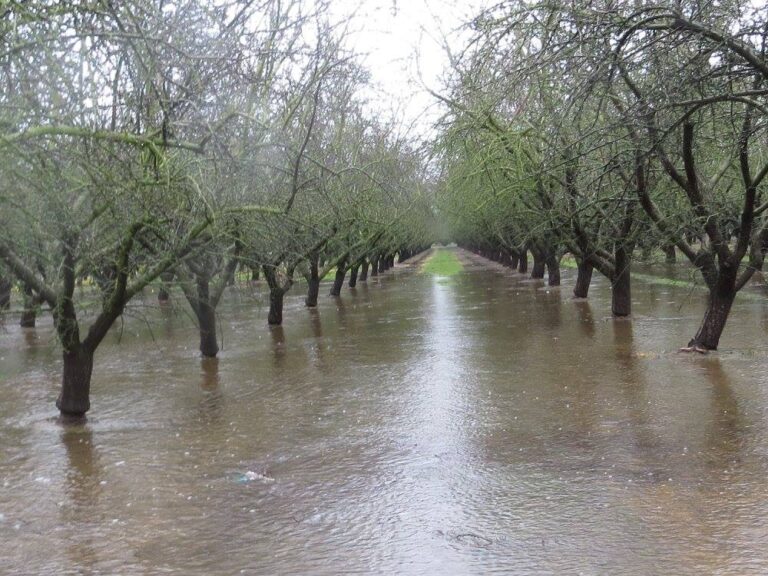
[{"x": 442, "y": 263}]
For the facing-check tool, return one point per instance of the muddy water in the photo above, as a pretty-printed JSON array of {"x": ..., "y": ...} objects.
[{"x": 421, "y": 425}]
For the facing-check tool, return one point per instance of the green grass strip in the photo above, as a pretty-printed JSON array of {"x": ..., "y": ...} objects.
[{"x": 442, "y": 262}]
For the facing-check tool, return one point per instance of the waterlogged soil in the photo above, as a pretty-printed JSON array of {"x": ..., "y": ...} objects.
[{"x": 486, "y": 424}]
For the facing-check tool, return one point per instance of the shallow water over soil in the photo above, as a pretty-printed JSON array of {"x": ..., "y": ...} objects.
[{"x": 476, "y": 424}]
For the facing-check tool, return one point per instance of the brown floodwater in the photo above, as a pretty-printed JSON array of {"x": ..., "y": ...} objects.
[{"x": 476, "y": 424}]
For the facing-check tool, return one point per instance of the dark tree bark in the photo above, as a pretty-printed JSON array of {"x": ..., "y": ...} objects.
[
  {"x": 338, "y": 281},
  {"x": 514, "y": 260},
  {"x": 353, "y": 275},
  {"x": 275, "y": 316},
  {"x": 553, "y": 269},
  {"x": 670, "y": 255},
  {"x": 522, "y": 265},
  {"x": 539, "y": 263},
  {"x": 583, "y": 279},
  {"x": 74, "y": 397},
  {"x": 313, "y": 281},
  {"x": 163, "y": 295},
  {"x": 721, "y": 297},
  {"x": 206, "y": 318},
  {"x": 364, "y": 270},
  {"x": 621, "y": 296},
  {"x": 254, "y": 274},
  {"x": 31, "y": 305},
  {"x": 375, "y": 266},
  {"x": 5, "y": 293}
]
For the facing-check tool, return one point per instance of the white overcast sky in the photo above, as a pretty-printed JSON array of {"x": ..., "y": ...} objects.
[{"x": 401, "y": 40}]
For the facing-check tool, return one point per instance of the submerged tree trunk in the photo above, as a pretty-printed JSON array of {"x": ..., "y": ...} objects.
[
  {"x": 5, "y": 293},
  {"x": 621, "y": 297},
  {"x": 583, "y": 279},
  {"x": 721, "y": 297},
  {"x": 514, "y": 260},
  {"x": 275, "y": 316},
  {"x": 163, "y": 295},
  {"x": 31, "y": 305},
  {"x": 375, "y": 266},
  {"x": 74, "y": 397},
  {"x": 364, "y": 271},
  {"x": 670, "y": 256},
  {"x": 553, "y": 269},
  {"x": 206, "y": 318},
  {"x": 353, "y": 276},
  {"x": 338, "y": 281},
  {"x": 313, "y": 282},
  {"x": 538, "y": 265},
  {"x": 522, "y": 265}
]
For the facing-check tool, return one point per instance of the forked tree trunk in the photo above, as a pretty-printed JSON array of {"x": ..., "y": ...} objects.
[
  {"x": 353, "y": 276},
  {"x": 74, "y": 397},
  {"x": 522, "y": 265},
  {"x": 621, "y": 297},
  {"x": 583, "y": 279},
  {"x": 364, "y": 271}
]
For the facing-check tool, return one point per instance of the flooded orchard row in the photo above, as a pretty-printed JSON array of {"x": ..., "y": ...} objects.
[{"x": 421, "y": 424}]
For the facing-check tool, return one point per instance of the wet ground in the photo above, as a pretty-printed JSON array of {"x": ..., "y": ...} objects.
[{"x": 476, "y": 424}]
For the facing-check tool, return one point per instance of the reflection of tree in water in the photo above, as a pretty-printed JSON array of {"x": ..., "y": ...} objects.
[
  {"x": 586, "y": 318},
  {"x": 725, "y": 435},
  {"x": 82, "y": 488},
  {"x": 317, "y": 351},
  {"x": 211, "y": 405},
  {"x": 279, "y": 352}
]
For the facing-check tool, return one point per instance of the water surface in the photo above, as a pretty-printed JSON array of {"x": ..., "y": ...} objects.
[{"x": 476, "y": 424}]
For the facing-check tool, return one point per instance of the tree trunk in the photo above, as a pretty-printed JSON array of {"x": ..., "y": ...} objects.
[
  {"x": 383, "y": 264},
  {"x": 670, "y": 256},
  {"x": 522, "y": 265},
  {"x": 553, "y": 269},
  {"x": 721, "y": 299},
  {"x": 514, "y": 260},
  {"x": 364, "y": 271},
  {"x": 375, "y": 266},
  {"x": 313, "y": 283},
  {"x": 353, "y": 276},
  {"x": 538, "y": 265},
  {"x": 254, "y": 274},
  {"x": 338, "y": 281},
  {"x": 583, "y": 279},
  {"x": 275, "y": 317},
  {"x": 621, "y": 297},
  {"x": 5, "y": 293},
  {"x": 206, "y": 318},
  {"x": 74, "y": 398},
  {"x": 163, "y": 295},
  {"x": 29, "y": 314}
]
